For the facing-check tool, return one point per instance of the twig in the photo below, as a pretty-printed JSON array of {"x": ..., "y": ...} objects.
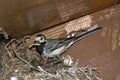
[
  {"x": 26, "y": 37},
  {"x": 85, "y": 74},
  {"x": 23, "y": 42},
  {"x": 7, "y": 46},
  {"x": 23, "y": 59}
]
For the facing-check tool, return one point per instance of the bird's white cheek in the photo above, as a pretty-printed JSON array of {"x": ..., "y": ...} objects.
[{"x": 37, "y": 38}]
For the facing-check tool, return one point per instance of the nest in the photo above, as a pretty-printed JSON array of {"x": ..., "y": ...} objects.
[{"x": 19, "y": 63}]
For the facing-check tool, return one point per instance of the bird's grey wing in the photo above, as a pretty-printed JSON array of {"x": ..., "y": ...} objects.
[{"x": 53, "y": 44}]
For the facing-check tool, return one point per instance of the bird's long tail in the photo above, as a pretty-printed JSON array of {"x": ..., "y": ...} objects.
[{"x": 87, "y": 33}]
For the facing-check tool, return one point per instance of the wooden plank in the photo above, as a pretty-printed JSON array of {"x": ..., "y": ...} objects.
[{"x": 20, "y": 17}]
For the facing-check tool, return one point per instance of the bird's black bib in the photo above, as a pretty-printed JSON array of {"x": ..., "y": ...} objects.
[{"x": 39, "y": 48}]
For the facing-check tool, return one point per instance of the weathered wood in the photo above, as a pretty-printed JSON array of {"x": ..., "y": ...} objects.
[
  {"x": 19, "y": 17},
  {"x": 100, "y": 49}
]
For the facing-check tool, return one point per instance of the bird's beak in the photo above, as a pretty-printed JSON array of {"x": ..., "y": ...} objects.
[
  {"x": 33, "y": 44},
  {"x": 30, "y": 46}
]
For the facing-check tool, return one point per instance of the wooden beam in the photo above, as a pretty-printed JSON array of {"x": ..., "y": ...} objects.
[{"x": 20, "y": 17}]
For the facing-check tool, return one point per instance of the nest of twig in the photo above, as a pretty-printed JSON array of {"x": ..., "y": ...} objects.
[{"x": 20, "y": 63}]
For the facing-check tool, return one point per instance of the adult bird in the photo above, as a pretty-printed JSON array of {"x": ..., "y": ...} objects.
[{"x": 50, "y": 48}]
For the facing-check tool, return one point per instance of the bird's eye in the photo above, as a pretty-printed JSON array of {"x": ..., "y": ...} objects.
[{"x": 41, "y": 38}]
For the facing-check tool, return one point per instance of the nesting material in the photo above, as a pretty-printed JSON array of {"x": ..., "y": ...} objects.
[{"x": 20, "y": 63}]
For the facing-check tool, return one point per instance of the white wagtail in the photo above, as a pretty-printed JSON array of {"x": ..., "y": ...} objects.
[{"x": 55, "y": 47}]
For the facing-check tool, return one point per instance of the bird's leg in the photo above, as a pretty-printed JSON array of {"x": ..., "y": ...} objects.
[{"x": 45, "y": 60}]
